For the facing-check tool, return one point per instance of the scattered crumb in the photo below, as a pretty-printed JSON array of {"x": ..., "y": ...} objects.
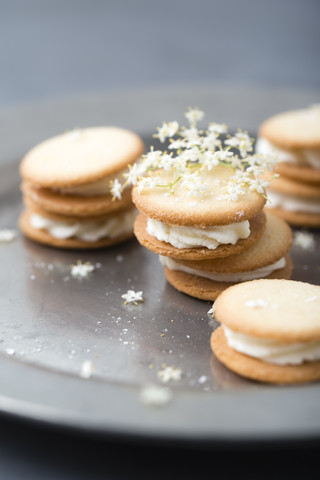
[
  {"x": 153, "y": 395},
  {"x": 87, "y": 369},
  {"x": 169, "y": 373},
  {"x": 202, "y": 379},
  {"x": 256, "y": 303},
  {"x": 7, "y": 235},
  {"x": 119, "y": 258},
  {"x": 304, "y": 240},
  {"x": 81, "y": 270}
]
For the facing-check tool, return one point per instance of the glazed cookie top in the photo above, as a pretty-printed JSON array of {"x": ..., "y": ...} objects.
[
  {"x": 296, "y": 129},
  {"x": 211, "y": 207},
  {"x": 284, "y": 310},
  {"x": 81, "y": 156}
]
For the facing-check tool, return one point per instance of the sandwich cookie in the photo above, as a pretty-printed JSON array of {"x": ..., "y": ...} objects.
[
  {"x": 206, "y": 279},
  {"x": 294, "y": 137},
  {"x": 270, "y": 331},
  {"x": 295, "y": 201},
  {"x": 74, "y": 179},
  {"x": 200, "y": 227}
]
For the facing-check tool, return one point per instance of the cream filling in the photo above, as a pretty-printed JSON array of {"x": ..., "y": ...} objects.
[
  {"x": 190, "y": 237},
  {"x": 88, "y": 231},
  {"x": 273, "y": 351},
  {"x": 293, "y": 203},
  {"x": 302, "y": 157},
  {"x": 224, "y": 277},
  {"x": 100, "y": 187}
]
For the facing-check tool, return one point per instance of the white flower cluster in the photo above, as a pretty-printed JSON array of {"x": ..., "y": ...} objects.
[{"x": 193, "y": 152}]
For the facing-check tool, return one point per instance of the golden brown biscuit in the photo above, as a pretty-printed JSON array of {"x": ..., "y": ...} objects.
[
  {"x": 43, "y": 237},
  {"x": 273, "y": 244},
  {"x": 296, "y": 129},
  {"x": 256, "y": 369},
  {"x": 81, "y": 156},
  {"x": 73, "y": 205},
  {"x": 257, "y": 225},
  {"x": 211, "y": 209},
  {"x": 206, "y": 289},
  {"x": 270, "y": 330},
  {"x": 296, "y": 202},
  {"x": 73, "y": 183},
  {"x": 299, "y": 172}
]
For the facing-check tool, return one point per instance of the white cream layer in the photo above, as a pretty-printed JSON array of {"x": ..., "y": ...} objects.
[
  {"x": 190, "y": 237},
  {"x": 273, "y": 351},
  {"x": 224, "y": 277},
  {"x": 293, "y": 203},
  {"x": 88, "y": 231},
  {"x": 100, "y": 187},
  {"x": 301, "y": 157}
]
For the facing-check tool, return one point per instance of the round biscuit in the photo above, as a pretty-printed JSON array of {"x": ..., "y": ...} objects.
[
  {"x": 297, "y": 172},
  {"x": 284, "y": 310},
  {"x": 289, "y": 186},
  {"x": 297, "y": 219},
  {"x": 208, "y": 209},
  {"x": 296, "y": 129},
  {"x": 206, "y": 289},
  {"x": 256, "y": 369},
  {"x": 257, "y": 226},
  {"x": 43, "y": 237},
  {"x": 73, "y": 205},
  {"x": 81, "y": 156},
  {"x": 273, "y": 244}
]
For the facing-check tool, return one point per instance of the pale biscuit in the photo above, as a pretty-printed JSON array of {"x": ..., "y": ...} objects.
[
  {"x": 273, "y": 244},
  {"x": 43, "y": 237},
  {"x": 256, "y": 369},
  {"x": 298, "y": 172},
  {"x": 206, "y": 289},
  {"x": 209, "y": 209},
  {"x": 294, "y": 191},
  {"x": 257, "y": 226},
  {"x": 297, "y": 219},
  {"x": 293, "y": 130},
  {"x": 292, "y": 187},
  {"x": 74, "y": 205},
  {"x": 270, "y": 330},
  {"x": 81, "y": 156},
  {"x": 289, "y": 310}
]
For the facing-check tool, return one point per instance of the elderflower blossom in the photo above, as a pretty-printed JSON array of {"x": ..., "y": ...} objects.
[
  {"x": 116, "y": 189},
  {"x": 81, "y": 270},
  {"x": 194, "y": 152},
  {"x": 167, "y": 130},
  {"x": 194, "y": 115},
  {"x": 242, "y": 141},
  {"x": 132, "y": 297}
]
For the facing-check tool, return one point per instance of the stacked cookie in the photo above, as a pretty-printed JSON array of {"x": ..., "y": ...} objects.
[
  {"x": 294, "y": 137},
  {"x": 270, "y": 331},
  {"x": 72, "y": 188},
  {"x": 206, "y": 220}
]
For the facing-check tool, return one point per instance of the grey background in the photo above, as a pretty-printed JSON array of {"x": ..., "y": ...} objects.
[
  {"x": 66, "y": 47},
  {"x": 51, "y": 49}
]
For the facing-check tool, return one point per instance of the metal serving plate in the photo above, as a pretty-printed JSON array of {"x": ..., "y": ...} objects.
[{"x": 50, "y": 322}]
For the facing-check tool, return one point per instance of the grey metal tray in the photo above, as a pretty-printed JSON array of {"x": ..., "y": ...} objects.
[{"x": 50, "y": 323}]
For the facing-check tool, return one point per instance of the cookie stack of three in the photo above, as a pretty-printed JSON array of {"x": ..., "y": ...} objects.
[
  {"x": 294, "y": 137},
  {"x": 72, "y": 188},
  {"x": 203, "y": 213}
]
